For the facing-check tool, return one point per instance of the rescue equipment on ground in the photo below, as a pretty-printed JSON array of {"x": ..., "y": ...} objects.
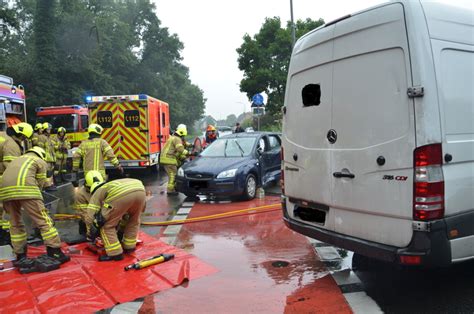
[{"x": 150, "y": 261}]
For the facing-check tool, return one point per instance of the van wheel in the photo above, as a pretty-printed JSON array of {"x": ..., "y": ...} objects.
[{"x": 250, "y": 189}]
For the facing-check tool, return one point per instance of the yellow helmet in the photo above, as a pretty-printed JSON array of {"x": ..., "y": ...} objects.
[
  {"x": 95, "y": 128},
  {"x": 92, "y": 177},
  {"x": 38, "y": 126},
  {"x": 47, "y": 126},
  {"x": 38, "y": 151},
  {"x": 182, "y": 130},
  {"x": 62, "y": 129},
  {"x": 23, "y": 128}
]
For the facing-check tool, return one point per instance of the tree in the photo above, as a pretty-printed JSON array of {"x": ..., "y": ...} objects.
[{"x": 265, "y": 57}]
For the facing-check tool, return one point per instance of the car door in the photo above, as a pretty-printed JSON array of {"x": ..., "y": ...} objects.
[
  {"x": 274, "y": 156},
  {"x": 265, "y": 159}
]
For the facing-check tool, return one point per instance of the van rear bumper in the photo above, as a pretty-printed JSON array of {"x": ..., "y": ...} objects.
[{"x": 433, "y": 247}]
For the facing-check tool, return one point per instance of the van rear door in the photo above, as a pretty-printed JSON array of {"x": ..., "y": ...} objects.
[{"x": 372, "y": 157}]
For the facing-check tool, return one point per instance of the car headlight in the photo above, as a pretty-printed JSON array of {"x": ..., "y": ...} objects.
[
  {"x": 180, "y": 172},
  {"x": 227, "y": 174}
]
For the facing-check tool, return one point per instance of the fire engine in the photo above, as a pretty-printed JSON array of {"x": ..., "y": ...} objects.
[
  {"x": 74, "y": 118},
  {"x": 12, "y": 103},
  {"x": 136, "y": 126}
]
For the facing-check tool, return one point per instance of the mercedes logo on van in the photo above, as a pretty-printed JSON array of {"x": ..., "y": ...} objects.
[{"x": 332, "y": 136}]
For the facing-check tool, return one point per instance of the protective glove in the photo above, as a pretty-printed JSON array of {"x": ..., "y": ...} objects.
[{"x": 120, "y": 169}]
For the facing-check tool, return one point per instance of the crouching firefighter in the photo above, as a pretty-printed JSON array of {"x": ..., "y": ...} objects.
[
  {"x": 21, "y": 188},
  {"x": 109, "y": 202},
  {"x": 83, "y": 197}
]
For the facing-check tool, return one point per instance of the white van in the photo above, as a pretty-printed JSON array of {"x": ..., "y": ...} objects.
[{"x": 378, "y": 134}]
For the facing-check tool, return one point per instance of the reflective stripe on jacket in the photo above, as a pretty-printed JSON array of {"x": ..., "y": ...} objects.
[
  {"x": 172, "y": 151},
  {"x": 93, "y": 152},
  {"x": 24, "y": 178}
]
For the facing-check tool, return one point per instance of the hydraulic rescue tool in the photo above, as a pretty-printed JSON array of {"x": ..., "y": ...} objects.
[{"x": 150, "y": 261}]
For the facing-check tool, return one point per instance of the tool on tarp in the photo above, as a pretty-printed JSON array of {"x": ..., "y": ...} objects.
[{"x": 150, "y": 261}]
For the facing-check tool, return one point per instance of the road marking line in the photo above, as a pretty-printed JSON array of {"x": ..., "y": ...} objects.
[
  {"x": 360, "y": 302},
  {"x": 127, "y": 308},
  {"x": 187, "y": 204},
  {"x": 183, "y": 211}
]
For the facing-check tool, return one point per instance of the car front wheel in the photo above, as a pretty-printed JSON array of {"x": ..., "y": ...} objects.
[{"x": 250, "y": 187}]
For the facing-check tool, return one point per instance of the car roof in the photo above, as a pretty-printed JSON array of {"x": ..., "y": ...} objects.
[{"x": 248, "y": 134}]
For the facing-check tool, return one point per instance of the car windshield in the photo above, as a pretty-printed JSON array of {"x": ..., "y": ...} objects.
[
  {"x": 230, "y": 147},
  {"x": 68, "y": 121}
]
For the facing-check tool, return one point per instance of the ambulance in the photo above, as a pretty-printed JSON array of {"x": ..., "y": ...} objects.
[
  {"x": 136, "y": 127},
  {"x": 378, "y": 134}
]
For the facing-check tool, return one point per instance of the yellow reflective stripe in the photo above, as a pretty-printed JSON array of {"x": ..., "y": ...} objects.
[
  {"x": 129, "y": 241},
  {"x": 23, "y": 171},
  {"x": 113, "y": 247},
  {"x": 41, "y": 176},
  {"x": 18, "y": 237},
  {"x": 93, "y": 207},
  {"x": 96, "y": 156},
  {"x": 117, "y": 189},
  {"x": 46, "y": 218},
  {"x": 9, "y": 158},
  {"x": 104, "y": 237},
  {"x": 50, "y": 234}
]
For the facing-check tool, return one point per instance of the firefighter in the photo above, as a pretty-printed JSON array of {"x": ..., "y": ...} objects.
[
  {"x": 36, "y": 134},
  {"x": 61, "y": 146},
  {"x": 109, "y": 203},
  {"x": 46, "y": 142},
  {"x": 10, "y": 149},
  {"x": 21, "y": 189},
  {"x": 173, "y": 155},
  {"x": 211, "y": 135},
  {"x": 83, "y": 196},
  {"x": 93, "y": 151}
]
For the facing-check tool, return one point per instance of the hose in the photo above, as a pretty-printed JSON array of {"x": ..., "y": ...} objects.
[{"x": 247, "y": 211}]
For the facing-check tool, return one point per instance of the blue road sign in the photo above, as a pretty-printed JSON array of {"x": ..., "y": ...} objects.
[{"x": 257, "y": 99}]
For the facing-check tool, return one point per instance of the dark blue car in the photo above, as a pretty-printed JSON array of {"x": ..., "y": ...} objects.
[{"x": 233, "y": 165}]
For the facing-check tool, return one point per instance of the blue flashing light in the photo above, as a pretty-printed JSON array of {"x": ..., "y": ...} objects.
[
  {"x": 142, "y": 96},
  {"x": 88, "y": 98},
  {"x": 38, "y": 109},
  {"x": 77, "y": 106}
]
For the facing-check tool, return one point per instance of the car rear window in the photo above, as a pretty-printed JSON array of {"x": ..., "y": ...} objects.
[{"x": 230, "y": 147}]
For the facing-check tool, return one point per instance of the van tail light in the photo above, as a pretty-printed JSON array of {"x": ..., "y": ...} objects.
[
  {"x": 282, "y": 179},
  {"x": 410, "y": 259},
  {"x": 143, "y": 163},
  {"x": 428, "y": 194}
]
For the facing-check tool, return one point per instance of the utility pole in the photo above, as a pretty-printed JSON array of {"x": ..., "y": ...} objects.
[{"x": 293, "y": 26}]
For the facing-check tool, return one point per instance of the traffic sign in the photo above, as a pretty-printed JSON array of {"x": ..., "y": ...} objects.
[{"x": 257, "y": 99}]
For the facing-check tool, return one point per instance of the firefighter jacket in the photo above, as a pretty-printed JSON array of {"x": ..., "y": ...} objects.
[
  {"x": 93, "y": 152},
  {"x": 47, "y": 143},
  {"x": 24, "y": 178},
  {"x": 109, "y": 192},
  {"x": 174, "y": 151},
  {"x": 35, "y": 139},
  {"x": 61, "y": 147},
  {"x": 9, "y": 150}
]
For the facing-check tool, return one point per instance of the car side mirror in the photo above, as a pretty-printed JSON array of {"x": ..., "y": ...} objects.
[{"x": 260, "y": 150}]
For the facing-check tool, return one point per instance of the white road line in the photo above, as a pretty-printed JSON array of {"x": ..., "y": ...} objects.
[
  {"x": 126, "y": 308},
  {"x": 361, "y": 303},
  {"x": 184, "y": 211}
]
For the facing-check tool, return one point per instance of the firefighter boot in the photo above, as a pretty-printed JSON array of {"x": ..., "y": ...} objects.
[
  {"x": 106, "y": 258},
  {"x": 56, "y": 253},
  {"x": 21, "y": 258}
]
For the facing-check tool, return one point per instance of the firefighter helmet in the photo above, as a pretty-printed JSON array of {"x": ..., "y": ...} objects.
[
  {"x": 24, "y": 129},
  {"x": 92, "y": 177},
  {"x": 47, "y": 126},
  {"x": 38, "y": 151},
  {"x": 62, "y": 129},
  {"x": 182, "y": 130},
  {"x": 38, "y": 126},
  {"x": 95, "y": 128},
  {"x": 210, "y": 127}
]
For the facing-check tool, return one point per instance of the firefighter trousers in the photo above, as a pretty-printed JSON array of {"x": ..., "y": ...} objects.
[
  {"x": 4, "y": 223},
  {"x": 39, "y": 215},
  {"x": 50, "y": 172},
  {"x": 132, "y": 204},
  {"x": 60, "y": 166},
  {"x": 171, "y": 171}
]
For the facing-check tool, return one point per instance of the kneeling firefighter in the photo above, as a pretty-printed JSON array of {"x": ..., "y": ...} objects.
[
  {"x": 21, "y": 188},
  {"x": 109, "y": 203},
  {"x": 83, "y": 197}
]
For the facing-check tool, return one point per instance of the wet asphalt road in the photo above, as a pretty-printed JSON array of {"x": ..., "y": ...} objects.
[{"x": 395, "y": 290}]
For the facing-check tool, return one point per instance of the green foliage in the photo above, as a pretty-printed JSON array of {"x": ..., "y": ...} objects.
[
  {"x": 265, "y": 57},
  {"x": 62, "y": 49}
]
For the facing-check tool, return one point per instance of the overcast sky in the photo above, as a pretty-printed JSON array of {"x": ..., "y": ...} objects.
[{"x": 212, "y": 30}]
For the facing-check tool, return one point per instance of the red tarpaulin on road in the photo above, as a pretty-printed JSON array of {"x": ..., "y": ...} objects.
[{"x": 86, "y": 285}]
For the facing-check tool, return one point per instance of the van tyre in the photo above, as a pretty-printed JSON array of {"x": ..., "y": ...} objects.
[{"x": 250, "y": 188}]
